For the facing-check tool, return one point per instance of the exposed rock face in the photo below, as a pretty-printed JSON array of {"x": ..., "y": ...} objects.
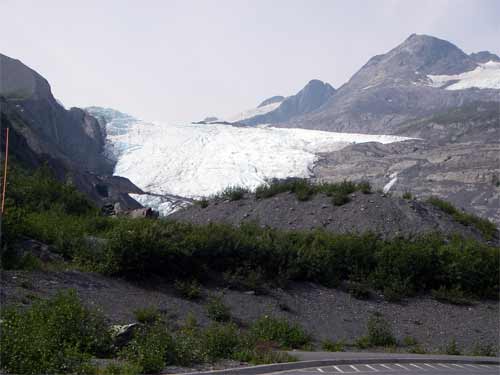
[
  {"x": 457, "y": 159},
  {"x": 484, "y": 56},
  {"x": 311, "y": 97},
  {"x": 393, "y": 88},
  {"x": 54, "y": 130},
  {"x": 70, "y": 142}
]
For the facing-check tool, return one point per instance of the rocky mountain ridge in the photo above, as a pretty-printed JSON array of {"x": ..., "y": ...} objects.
[{"x": 70, "y": 141}]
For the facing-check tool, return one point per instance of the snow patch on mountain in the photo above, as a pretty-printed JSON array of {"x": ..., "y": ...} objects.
[
  {"x": 201, "y": 160},
  {"x": 485, "y": 76}
]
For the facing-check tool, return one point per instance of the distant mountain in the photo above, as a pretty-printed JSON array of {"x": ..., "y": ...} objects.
[
  {"x": 311, "y": 97},
  {"x": 422, "y": 76}
]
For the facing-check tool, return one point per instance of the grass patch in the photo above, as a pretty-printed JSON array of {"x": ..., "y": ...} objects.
[{"x": 486, "y": 227}]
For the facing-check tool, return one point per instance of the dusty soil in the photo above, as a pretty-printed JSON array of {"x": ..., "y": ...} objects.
[
  {"x": 385, "y": 215},
  {"x": 325, "y": 313}
]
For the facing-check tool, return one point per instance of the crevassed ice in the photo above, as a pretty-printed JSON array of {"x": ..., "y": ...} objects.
[
  {"x": 200, "y": 160},
  {"x": 486, "y": 75}
]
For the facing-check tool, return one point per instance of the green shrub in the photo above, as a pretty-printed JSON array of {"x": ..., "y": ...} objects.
[
  {"x": 188, "y": 289},
  {"x": 333, "y": 346},
  {"x": 58, "y": 335},
  {"x": 408, "y": 195},
  {"x": 486, "y": 227},
  {"x": 452, "y": 348},
  {"x": 233, "y": 193},
  {"x": 217, "y": 310},
  {"x": 280, "y": 331},
  {"x": 152, "y": 348},
  {"x": 203, "y": 203},
  {"x": 484, "y": 350},
  {"x": 147, "y": 315},
  {"x": 410, "y": 341},
  {"x": 339, "y": 199},
  {"x": 379, "y": 332},
  {"x": 364, "y": 187},
  {"x": 220, "y": 341}
]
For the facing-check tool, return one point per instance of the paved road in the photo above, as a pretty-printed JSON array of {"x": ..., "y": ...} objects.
[{"x": 395, "y": 368}]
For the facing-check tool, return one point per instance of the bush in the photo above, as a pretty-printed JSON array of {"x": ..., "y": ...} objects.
[
  {"x": 452, "y": 348},
  {"x": 408, "y": 195},
  {"x": 147, "y": 315},
  {"x": 364, "y": 187},
  {"x": 217, "y": 310},
  {"x": 203, "y": 203},
  {"x": 339, "y": 199},
  {"x": 333, "y": 346},
  {"x": 152, "y": 348},
  {"x": 486, "y": 227},
  {"x": 233, "y": 193},
  {"x": 188, "y": 289},
  {"x": 255, "y": 256},
  {"x": 53, "y": 336},
  {"x": 379, "y": 332},
  {"x": 220, "y": 341},
  {"x": 484, "y": 350},
  {"x": 280, "y": 331}
]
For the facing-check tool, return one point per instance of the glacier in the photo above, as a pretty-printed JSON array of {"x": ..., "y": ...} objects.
[{"x": 198, "y": 160}]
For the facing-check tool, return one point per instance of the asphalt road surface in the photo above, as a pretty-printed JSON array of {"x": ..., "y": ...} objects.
[{"x": 395, "y": 368}]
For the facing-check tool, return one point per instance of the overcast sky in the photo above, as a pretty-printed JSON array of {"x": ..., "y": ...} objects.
[{"x": 182, "y": 60}]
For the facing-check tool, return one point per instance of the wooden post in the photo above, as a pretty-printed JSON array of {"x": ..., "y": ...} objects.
[{"x": 4, "y": 187}]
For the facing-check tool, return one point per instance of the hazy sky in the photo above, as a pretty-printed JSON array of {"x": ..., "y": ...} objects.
[{"x": 182, "y": 60}]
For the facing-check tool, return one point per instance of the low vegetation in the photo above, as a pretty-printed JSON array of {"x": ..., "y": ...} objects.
[
  {"x": 379, "y": 333},
  {"x": 486, "y": 227},
  {"x": 57, "y": 214},
  {"x": 189, "y": 289},
  {"x": 304, "y": 189},
  {"x": 333, "y": 346},
  {"x": 217, "y": 310},
  {"x": 61, "y": 336},
  {"x": 52, "y": 337},
  {"x": 232, "y": 193},
  {"x": 147, "y": 315}
]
